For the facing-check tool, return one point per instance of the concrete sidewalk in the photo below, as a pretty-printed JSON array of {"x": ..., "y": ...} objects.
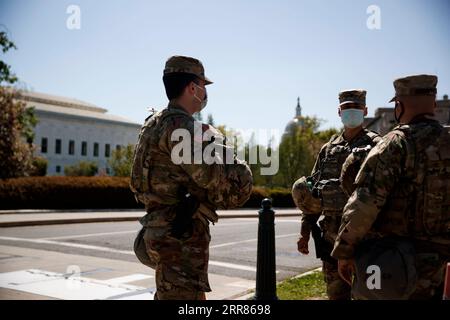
[
  {"x": 20, "y": 218},
  {"x": 34, "y": 274}
]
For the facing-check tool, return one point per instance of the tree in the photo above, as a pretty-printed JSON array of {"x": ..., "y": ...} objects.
[
  {"x": 16, "y": 124},
  {"x": 16, "y": 149},
  {"x": 6, "y": 76},
  {"x": 122, "y": 160},
  {"x": 82, "y": 169},
  {"x": 40, "y": 165},
  {"x": 298, "y": 151}
]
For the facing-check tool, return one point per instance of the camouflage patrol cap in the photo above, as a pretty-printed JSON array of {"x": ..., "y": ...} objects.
[
  {"x": 303, "y": 198},
  {"x": 186, "y": 65},
  {"x": 415, "y": 85},
  {"x": 357, "y": 96}
]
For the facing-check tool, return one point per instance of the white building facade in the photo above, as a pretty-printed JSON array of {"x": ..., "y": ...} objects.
[{"x": 70, "y": 131}]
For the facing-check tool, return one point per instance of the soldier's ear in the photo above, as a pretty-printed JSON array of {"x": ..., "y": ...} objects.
[
  {"x": 365, "y": 111},
  {"x": 192, "y": 87},
  {"x": 339, "y": 111}
]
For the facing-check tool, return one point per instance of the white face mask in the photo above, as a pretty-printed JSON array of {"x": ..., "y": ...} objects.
[
  {"x": 352, "y": 118},
  {"x": 203, "y": 102}
]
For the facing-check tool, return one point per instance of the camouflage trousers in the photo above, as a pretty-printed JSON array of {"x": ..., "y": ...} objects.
[
  {"x": 181, "y": 264},
  {"x": 337, "y": 289}
]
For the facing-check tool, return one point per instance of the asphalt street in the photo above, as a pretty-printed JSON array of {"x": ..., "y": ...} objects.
[{"x": 232, "y": 249}]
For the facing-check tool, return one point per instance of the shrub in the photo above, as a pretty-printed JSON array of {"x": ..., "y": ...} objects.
[
  {"x": 81, "y": 169},
  {"x": 66, "y": 193},
  {"x": 122, "y": 160},
  {"x": 96, "y": 193},
  {"x": 39, "y": 167}
]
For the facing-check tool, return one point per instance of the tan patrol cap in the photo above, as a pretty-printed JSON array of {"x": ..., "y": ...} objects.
[
  {"x": 357, "y": 96},
  {"x": 186, "y": 65},
  {"x": 415, "y": 85}
]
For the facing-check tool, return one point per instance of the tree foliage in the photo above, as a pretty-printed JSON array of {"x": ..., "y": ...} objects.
[
  {"x": 16, "y": 154},
  {"x": 82, "y": 169},
  {"x": 16, "y": 124},
  {"x": 6, "y": 75},
  {"x": 121, "y": 161}
]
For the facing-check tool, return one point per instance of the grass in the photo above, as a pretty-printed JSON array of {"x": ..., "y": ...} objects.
[{"x": 308, "y": 287}]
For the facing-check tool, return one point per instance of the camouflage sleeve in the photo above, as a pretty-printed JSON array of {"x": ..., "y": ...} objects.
[
  {"x": 308, "y": 220},
  {"x": 319, "y": 159},
  {"x": 377, "y": 177},
  {"x": 211, "y": 164}
]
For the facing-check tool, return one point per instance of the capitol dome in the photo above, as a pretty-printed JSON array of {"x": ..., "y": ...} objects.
[{"x": 296, "y": 122}]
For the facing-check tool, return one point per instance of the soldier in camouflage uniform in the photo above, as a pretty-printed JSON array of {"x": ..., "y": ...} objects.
[
  {"x": 181, "y": 197},
  {"x": 403, "y": 193},
  {"x": 325, "y": 187}
]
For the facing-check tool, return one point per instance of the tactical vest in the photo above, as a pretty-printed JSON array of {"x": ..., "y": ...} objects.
[
  {"x": 420, "y": 204},
  {"x": 335, "y": 155},
  {"x": 142, "y": 164},
  {"x": 333, "y": 197}
]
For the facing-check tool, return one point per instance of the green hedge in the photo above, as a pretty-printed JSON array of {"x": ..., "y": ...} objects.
[
  {"x": 281, "y": 197},
  {"x": 96, "y": 193}
]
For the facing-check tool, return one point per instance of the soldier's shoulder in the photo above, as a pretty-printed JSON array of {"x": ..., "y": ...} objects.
[
  {"x": 329, "y": 142},
  {"x": 392, "y": 142},
  {"x": 373, "y": 135},
  {"x": 174, "y": 119}
]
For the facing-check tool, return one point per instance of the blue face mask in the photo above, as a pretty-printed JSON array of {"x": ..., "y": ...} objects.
[
  {"x": 203, "y": 102},
  {"x": 352, "y": 118}
]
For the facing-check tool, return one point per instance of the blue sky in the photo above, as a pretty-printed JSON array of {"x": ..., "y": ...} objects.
[{"x": 260, "y": 54}]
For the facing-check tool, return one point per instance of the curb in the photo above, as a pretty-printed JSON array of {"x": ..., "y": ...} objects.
[
  {"x": 41, "y": 211},
  {"x": 247, "y": 294},
  {"x": 29, "y": 223},
  {"x": 63, "y": 221}
]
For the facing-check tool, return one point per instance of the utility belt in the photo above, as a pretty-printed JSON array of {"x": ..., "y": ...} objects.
[{"x": 154, "y": 202}]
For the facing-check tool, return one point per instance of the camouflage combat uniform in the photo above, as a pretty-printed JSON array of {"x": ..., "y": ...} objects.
[
  {"x": 403, "y": 190},
  {"x": 181, "y": 264},
  {"x": 326, "y": 173}
]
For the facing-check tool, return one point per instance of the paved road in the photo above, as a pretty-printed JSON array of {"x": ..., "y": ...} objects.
[{"x": 233, "y": 245}]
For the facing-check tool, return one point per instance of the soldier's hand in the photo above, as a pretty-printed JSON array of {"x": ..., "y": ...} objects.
[
  {"x": 346, "y": 269},
  {"x": 302, "y": 245}
]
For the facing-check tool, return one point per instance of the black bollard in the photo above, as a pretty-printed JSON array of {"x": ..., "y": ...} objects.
[{"x": 265, "y": 263}]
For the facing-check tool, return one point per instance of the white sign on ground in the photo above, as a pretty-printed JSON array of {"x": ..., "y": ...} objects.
[{"x": 67, "y": 287}]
